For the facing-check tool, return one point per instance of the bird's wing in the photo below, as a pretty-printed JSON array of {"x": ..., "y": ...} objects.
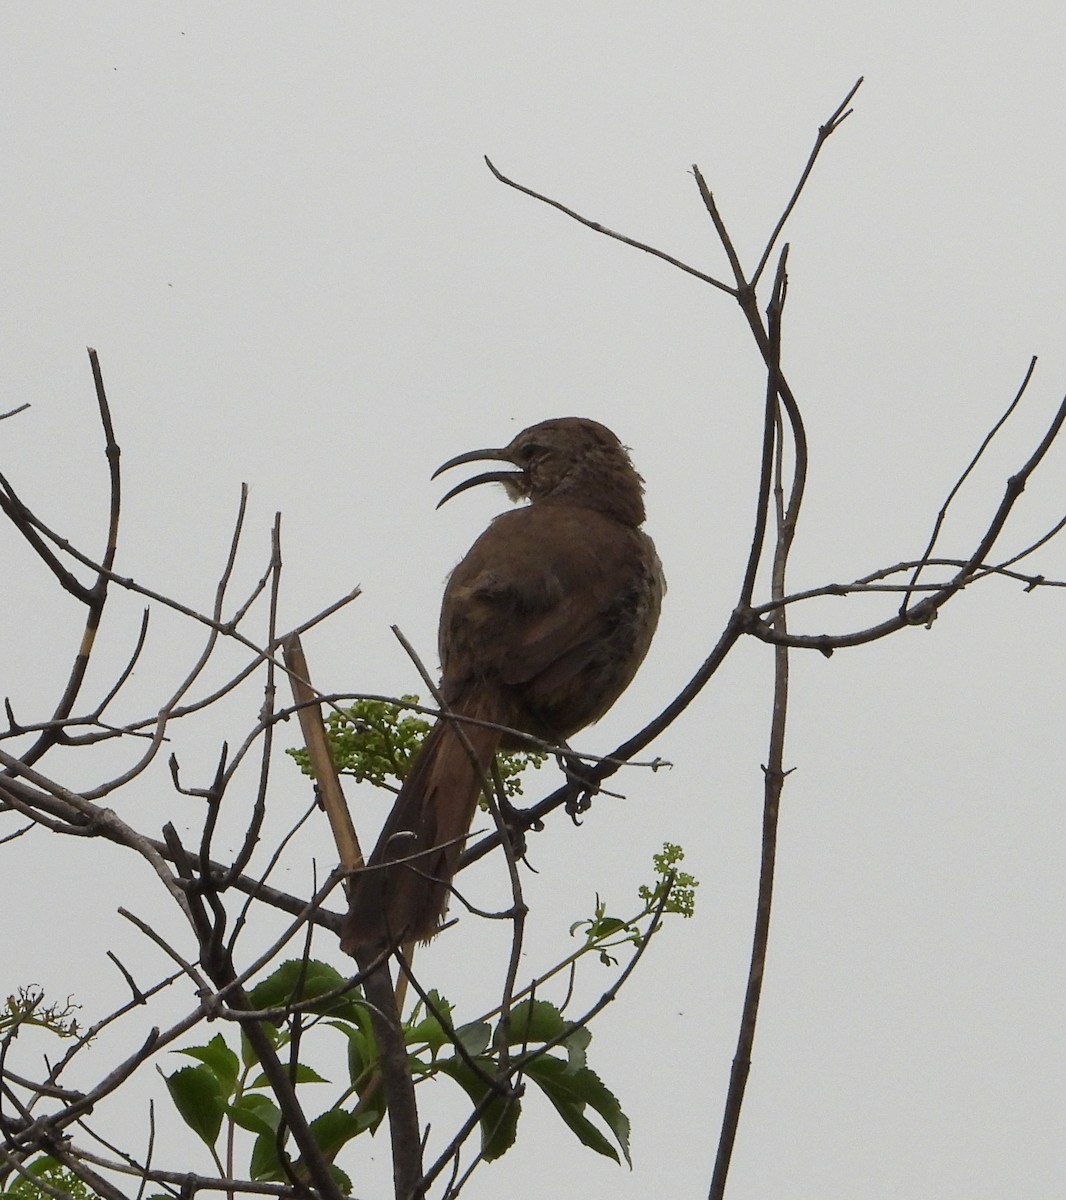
[{"x": 538, "y": 593}]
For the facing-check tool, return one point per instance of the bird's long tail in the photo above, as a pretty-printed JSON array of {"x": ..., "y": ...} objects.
[{"x": 402, "y": 892}]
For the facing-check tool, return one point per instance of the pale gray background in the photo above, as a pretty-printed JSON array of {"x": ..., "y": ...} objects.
[{"x": 274, "y": 223}]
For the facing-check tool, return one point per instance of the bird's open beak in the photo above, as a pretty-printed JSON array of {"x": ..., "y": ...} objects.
[{"x": 507, "y": 478}]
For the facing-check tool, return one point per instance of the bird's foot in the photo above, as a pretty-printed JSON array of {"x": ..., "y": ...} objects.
[{"x": 582, "y": 782}]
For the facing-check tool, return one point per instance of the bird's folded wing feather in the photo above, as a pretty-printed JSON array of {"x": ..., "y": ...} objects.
[{"x": 538, "y": 592}]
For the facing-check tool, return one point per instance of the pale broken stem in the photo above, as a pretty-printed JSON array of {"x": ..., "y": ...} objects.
[
  {"x": 385, "y": 1002},
  {"x": 325, "y": 775},
  {"x": 307, "y": 704}
]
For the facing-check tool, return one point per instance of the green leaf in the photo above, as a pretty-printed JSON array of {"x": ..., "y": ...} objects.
[
  {"x": 248, "y": 1055},
  {"x": 265, "y": 1161},
  {"x": 532, "y": 1022},
  {"x": 474, "y": 1038},
  {"x": 219, "y": 1059},
  {"x": 336, "y": 1127},
  {"x": 499, "y": 1117},
  {"x": 362, "y": 1048},
  {"x": 303, "y": 1074},
  {"x": 606, "y": 927},
  {"x": 199, "y": 1099},
  {"x": 575, "y": 1044},
  {"x": 298, "y": 981},
  {"x": 430, "y": 1029},
  {"x": 571, "y": 1091},
  {"x": 341, "y": 1179},
  {"x": 362, "y": 1054},
  {"x": 257, "y": 1114}
]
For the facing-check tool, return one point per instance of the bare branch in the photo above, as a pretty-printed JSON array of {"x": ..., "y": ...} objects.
[
  {"x": 773, "y": 774},
  {"x": 619, "y": 237},
  {"x": 836, "y": 119},
  {"x": 325, "y": 773},
  {"x": 939, "y": 522}
]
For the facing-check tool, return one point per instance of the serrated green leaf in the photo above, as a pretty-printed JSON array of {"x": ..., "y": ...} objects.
[
  {"x": 341, "y": 1179},
  {"x": 257, "y": 1114},
  {"x": 304, "y": 1074},
  {"x": 571, "y": 1091},
  {"x": 499, "y": 1117},
  {"x": 430, "y": 1027},
  {"x": 430, "y": 1031},
  {"x": 336, "y": 1127},
  {"x": 219, "y": 1058},
  {"x": 299, "y": 981},
  {"x": 532, "y": 1022},
  {"x": 199, "y": 1099}
]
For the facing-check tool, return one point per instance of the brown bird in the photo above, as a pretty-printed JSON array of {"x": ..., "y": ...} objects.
[{"x": 543, "y": 625}]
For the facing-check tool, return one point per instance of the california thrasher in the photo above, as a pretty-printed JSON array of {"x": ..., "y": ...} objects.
[{"x": 543, "y": 625}]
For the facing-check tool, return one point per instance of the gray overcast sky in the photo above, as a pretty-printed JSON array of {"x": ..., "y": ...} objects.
[{"x": 275, "y": 225}]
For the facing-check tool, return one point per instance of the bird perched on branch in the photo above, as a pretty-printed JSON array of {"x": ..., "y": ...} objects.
[{"x": 543, "y": 625}]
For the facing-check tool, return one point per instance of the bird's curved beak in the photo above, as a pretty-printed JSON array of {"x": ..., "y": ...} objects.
[{"x": 509, "y": 479}]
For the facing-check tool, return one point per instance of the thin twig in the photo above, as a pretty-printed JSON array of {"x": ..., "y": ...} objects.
[
  {"x": 618, "y": 237},
  {"x": 939, "y": 522},
  {"x": 839, "y": 115},
  {"x": 95, "y": 597}
]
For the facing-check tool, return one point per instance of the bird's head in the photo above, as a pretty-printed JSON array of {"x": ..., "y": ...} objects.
[{"x": 570, "y": 460}]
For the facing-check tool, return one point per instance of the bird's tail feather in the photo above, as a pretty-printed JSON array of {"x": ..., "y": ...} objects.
[{"x": 403, "y": 891}]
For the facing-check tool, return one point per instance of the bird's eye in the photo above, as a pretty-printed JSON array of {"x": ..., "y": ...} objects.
[{"x": 528, "y": 452}]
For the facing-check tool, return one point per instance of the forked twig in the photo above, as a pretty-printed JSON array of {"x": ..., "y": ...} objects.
[{"x": 774, "y": 771}]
